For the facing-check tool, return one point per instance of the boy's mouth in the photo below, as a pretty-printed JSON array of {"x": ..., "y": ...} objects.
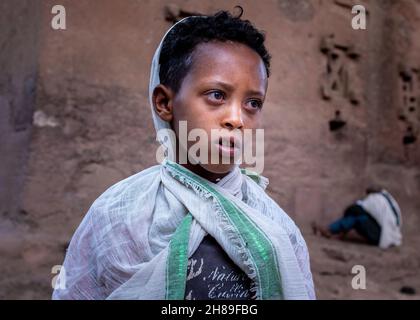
[{"x": 228, "y": 146}]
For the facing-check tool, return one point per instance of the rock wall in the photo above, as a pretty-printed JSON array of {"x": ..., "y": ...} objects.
[{"x": 92, "y": 125}]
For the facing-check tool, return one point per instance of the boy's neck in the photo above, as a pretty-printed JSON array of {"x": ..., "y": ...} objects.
[{"x": 199, "y": 170}]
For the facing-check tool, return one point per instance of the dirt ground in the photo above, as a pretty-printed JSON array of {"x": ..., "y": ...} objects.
[{"x": 387, "y": 271}]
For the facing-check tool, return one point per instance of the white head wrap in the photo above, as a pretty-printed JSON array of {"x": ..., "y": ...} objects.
[{"x": 160, "y": 125}]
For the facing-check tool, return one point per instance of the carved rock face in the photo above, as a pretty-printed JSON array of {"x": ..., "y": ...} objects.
[{"x": 297, "y": 10}]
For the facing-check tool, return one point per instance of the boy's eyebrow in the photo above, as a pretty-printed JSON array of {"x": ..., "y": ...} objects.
[{"x": 229, "y": 87}]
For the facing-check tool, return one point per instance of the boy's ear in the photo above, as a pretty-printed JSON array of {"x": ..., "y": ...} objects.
[{"x": 163, "y": 102}]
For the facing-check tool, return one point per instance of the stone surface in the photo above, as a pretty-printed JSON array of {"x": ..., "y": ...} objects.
[{"x": 92, "y": 80}]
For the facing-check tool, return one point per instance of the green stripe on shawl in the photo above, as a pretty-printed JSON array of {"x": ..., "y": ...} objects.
[
  {"x": 259, "y": 246},
  {"x": 176, "y": 270}
]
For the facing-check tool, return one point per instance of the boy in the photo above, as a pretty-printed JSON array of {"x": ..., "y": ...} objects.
[{"x": 194, "y": 229}]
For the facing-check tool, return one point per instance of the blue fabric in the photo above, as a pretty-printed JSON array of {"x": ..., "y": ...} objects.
[
  {"x": 348, "y": 223},
  {"x": 355, "y": 217}
]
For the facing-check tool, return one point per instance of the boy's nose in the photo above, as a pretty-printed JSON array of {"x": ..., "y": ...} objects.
[{"x": 233, "y": 118}]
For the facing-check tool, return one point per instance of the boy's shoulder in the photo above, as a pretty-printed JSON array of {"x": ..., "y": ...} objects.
[
  {"x": 127, "y": 189},
  {"x": 256, "y": 195},
  {"x": 259, "y": 199}
]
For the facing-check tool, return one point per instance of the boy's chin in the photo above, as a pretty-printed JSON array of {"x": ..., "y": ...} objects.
[{"x": 218, "y": 168}]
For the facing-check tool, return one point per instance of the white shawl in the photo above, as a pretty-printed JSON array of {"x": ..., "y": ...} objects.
[
  {"x": 380, "y": 209},
  {"x": 135, "y": 240}
]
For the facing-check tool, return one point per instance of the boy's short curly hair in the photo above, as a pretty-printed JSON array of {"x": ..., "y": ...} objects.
[{"x": 176, "y": 55}]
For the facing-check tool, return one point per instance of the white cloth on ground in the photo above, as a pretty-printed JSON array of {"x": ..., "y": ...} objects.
[{"x": 378, "y": 207}]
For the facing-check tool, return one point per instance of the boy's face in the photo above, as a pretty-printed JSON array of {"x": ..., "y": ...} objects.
[{"x": 225, "y": 89}]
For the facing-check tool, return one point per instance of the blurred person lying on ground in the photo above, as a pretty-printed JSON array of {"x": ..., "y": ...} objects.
[{"x": 376, "y": 217}]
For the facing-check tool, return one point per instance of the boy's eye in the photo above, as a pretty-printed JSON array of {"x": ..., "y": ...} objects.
[
  {"x": 216, "y": 95},
  {"x": 255, "y": 104}
]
